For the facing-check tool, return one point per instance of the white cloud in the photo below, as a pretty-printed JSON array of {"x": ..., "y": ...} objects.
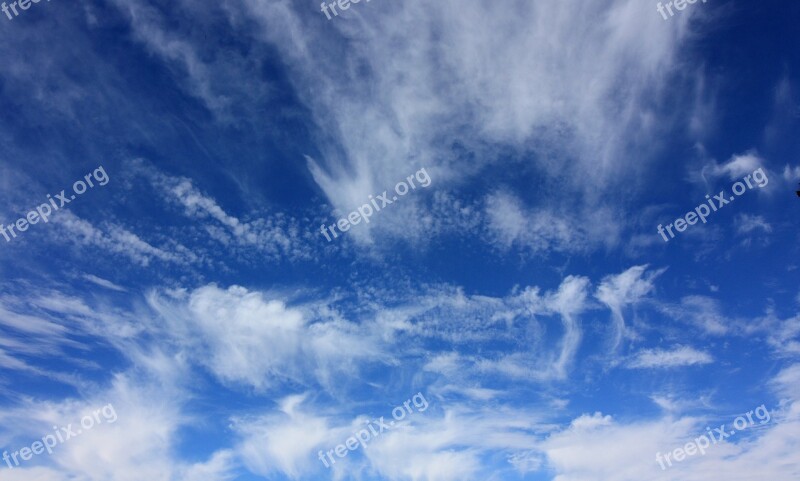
[
  {"x": 735, "y": 168},
  {"x": 746, "y": 224},
  {"x": 476, "y": 393},
  {"x": 791, "y": 174},
  {"x": 275, "y": 235},
  {"x": 120, "y": 241},
  {"x": 492, "y": 85},
  {"x": 220, "y": 467},
  {"x": 260, "y": 339},
  {"x": 675, "y": 404},
  {"x": 526, "y": 461},
  {"x": 222, "y": 82},
  {"x": 621, "y": 290},
  {"x": 629, "y": 449},
  {"x": 782, "y": 335},
  {"x": 428, "y": 445},
  {"x": 569, "y": 301},
  {"x": 701, "y": 311},
  {"x": 246, "y": 337},
  {"x": 140, "y": 414},
  {"x": 511, "y": 225},
  {"x": 587, "y": 422},
  {"x": 451, "y": 447},
  {"x": 103, "y": 283},
  {"x": 677, "y": 357},
  {"x": 514, "y": 319},
  {"x": 283, "y": 442}
]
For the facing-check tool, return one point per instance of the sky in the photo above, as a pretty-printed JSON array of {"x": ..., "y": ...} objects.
[{"x": 399, "y": 241}]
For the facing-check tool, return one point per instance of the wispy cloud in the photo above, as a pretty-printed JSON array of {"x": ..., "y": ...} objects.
[
  {"x": 622, "y": 290},
  {"x": 103, "y": 283},
  {"x": 118, "y": 240},
  {"x": 412, "y": 115},
  {"x": 275, "y": 234},
  {"x": 746, "y": 224},
  {"x": 677, "y": 357}
]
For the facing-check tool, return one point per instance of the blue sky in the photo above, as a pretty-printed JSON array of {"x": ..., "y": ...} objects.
[{"x": 525, "y": 292}]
